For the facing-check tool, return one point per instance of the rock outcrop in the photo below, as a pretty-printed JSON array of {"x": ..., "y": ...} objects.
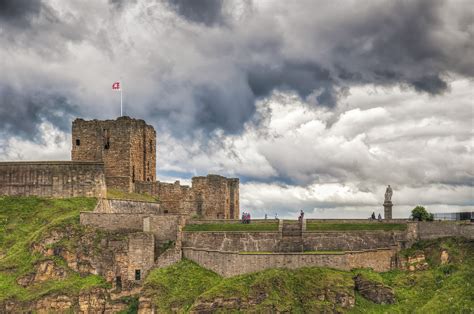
[{"x": 374, "y": 291}]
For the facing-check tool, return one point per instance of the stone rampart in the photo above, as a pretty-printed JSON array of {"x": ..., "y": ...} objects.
[
  {"x": 52, "y": 179},
  {"x": 230, "y": 264},
  {"x": 164, "y": 227},
  {"x": 312, "y": 241},
  {"x": 439, "y": 229},
  {"x": 108, "y": 221},
  {"x": 115, "y": 206}
]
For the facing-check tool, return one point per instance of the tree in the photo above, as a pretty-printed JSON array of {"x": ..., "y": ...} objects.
[{"x": 421, "y": 214}]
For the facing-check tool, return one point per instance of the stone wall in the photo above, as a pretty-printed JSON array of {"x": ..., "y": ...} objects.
[
  {"x": 107, "y": 221},
  {"x": 173, "y": 197},
  {"x": 164, "y": 227},
  {"x": 312, "y": 241},
  {"x": 438, "y": 229},
  {"x": 216, "y": 197},
  {"x": 52, "y": 179},
  {"x": 141, "y": 254},
  {"x": 233, "y": 241},
  {"x": 230, "y": 264},
  {"x": 116, "y": 206},
  {"x": 126, "y": 146},
  {"x": 212, "y": 196}
]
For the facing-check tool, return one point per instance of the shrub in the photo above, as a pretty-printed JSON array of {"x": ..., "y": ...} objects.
[{"x": 421, "y": 214}]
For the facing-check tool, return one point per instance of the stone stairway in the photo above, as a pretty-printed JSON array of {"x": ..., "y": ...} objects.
[{"x": 291, "y": 238}]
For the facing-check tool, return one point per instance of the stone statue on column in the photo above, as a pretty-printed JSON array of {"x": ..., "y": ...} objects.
[{"x": 387, "y": 204}]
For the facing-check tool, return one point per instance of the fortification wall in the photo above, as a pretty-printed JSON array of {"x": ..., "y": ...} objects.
[
  {"x": 141, "y": 254},
  {"x": 439, "y": 229},
  {"x": 115, "y": 206},
  {"x": 233, "y": 241},
  {"x": 229, "y": 264},
  {"x": 52, "y": 179},
  {"x": 312, "y": 241},
  {"x": 132, "y": 222},
  {"x": 126, "y": 146},
  {"x": 164, "y": 227},
  {"x": 350, "y": 241},
  {"x": 173, "y": 197}
]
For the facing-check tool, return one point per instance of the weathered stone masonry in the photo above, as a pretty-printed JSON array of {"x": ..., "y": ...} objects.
[
  {"x": 52, "y": 179},
  {"x": 126, "y": 146}
]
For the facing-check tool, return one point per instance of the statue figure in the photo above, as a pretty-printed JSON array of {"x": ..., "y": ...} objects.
[{"x": 388, "y": 194}]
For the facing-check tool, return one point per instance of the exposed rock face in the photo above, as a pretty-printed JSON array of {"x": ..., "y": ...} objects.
[
  {"x": 45, "y": 270},
  {"x": 444, "y": 257},
  {"x": 339, "y": 299},
  {"x": 374, "y": 291}
]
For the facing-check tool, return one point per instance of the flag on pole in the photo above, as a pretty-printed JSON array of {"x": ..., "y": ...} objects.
[{"x": 116, "y": 87}]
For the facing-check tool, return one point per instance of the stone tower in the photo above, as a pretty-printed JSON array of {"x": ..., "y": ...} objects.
[{"x": 126, "y": 146}]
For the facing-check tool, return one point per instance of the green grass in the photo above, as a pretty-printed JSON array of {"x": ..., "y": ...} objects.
[
  {"x": 117, "y": 194},
  {"x": 323, "y": 226},
  {"x": 440, "y": 289},
  {"x": 25, "y": 220},
  {"x": 270, "y": 226},
  {"x": 178, "y": 285}
]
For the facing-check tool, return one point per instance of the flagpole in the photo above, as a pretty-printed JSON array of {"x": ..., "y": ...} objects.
[{"x": 121, "y": 114}]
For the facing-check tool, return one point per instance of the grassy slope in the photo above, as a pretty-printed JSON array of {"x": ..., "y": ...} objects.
[
  {"x": 447, "y": 288},
  {"x": 24, "y": 221}
]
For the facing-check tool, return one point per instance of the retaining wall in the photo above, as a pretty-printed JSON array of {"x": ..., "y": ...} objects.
[
  {"x": 116, "y": 206},
  {"x": 230, "y": 264},
  {"x": 312, "y": 241},
  {"x": 164, "y": 227},
  {"x": 439, "y": 229},
  {"x": 113, "y": 221},
  {"x": 57, "y": 179}
]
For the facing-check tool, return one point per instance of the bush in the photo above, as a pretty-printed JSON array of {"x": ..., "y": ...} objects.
[{"x": 421, "y": 214}]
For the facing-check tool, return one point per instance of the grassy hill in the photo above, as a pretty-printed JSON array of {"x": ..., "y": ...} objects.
[
  {"x": 24, "y": 221},
  {"x": 441, "y": 288}
]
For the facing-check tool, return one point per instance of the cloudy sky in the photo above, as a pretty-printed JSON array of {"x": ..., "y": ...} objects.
[{"x": 314, "y": 105}]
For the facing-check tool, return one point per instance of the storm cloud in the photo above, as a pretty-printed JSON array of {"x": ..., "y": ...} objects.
[{"x": 201, "y": 72}]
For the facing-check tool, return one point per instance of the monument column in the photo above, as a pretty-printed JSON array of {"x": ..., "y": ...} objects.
[
  {"x": 387, "y": 209},
  {"x": 387, "y": 204}
]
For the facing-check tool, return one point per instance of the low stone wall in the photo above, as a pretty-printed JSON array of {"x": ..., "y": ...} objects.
[
  {"x": 116, "y": 206},
  {"x": 312, "y": 241},
  {"x": 169, "y": 257},
  {"x": 229, "y": 221},
  {"x": 439, "y": 229},
  {"x": 233, "y": 241},
  {"x": 57, "y": 179},
  {"x": 350, "y": 241},
  {"x": 228, "y": 264},
  {"x": 355, "y": 221},
  {"x": 164, "y": 227},
  {"x": 113, "y": 221}
]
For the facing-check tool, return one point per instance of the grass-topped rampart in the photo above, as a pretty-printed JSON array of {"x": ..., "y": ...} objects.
[
  {"x": 252, "y": 227},
  {"x": 375, "y": 226}
]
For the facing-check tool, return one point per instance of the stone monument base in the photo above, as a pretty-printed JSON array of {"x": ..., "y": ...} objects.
[{"x": 387, "y": 209}]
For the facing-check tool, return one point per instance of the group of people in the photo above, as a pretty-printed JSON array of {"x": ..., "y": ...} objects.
[
  {"x": 372, "y": 217},
  {"x": 245, "y": 218}
]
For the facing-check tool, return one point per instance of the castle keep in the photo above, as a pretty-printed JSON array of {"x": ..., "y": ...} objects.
[
  {"x": 127, "y": 147},
  {"x": 119, "y": 154}
]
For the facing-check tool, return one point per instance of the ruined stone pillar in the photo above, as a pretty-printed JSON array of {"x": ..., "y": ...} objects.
[{"x": 387, "y": 208}]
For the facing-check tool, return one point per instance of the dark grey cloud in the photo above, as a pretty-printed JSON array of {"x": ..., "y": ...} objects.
[
  {"x": 21, "y": 112},
  {"x": 18, "y": 12},
  {"x": 208, "y": 12}
]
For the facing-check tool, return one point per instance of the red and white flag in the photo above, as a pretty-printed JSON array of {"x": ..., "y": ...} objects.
[{"x": 116, "y": 86}]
